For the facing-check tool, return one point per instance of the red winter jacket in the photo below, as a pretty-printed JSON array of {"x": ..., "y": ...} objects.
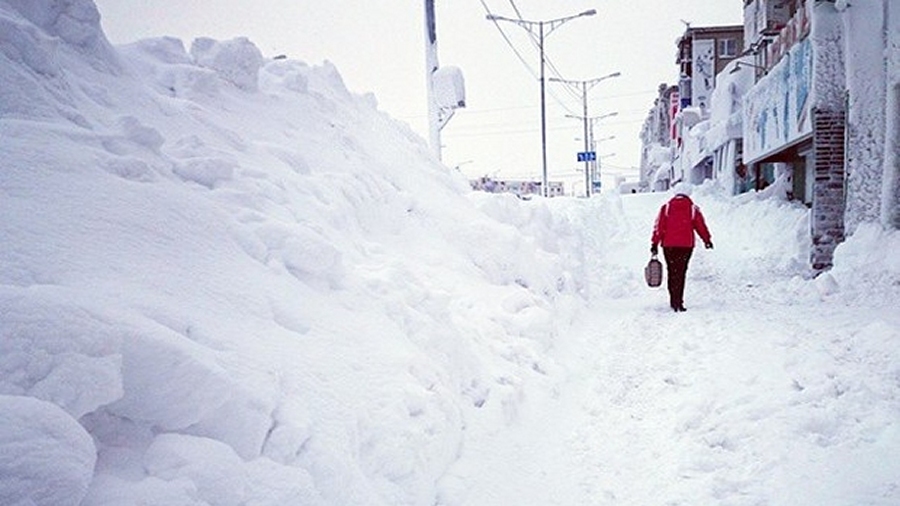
[{"x": 676, "y": 223}]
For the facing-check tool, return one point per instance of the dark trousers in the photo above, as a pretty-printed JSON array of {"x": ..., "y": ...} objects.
[{"x": 677, "y": 260}]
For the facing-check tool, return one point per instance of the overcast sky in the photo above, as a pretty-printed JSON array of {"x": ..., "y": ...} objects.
[{"x": 378, "y": 47}]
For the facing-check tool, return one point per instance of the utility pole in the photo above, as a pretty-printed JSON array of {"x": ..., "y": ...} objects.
[
  {"x": 585, "y": 86},
  {"x": 431, "y": 66},
  {"x": 590, "y": 156},
  {"x": 541, "y": 33},
  {"x": 596, "y": 168},
  {"x": 439, "y": 110}
]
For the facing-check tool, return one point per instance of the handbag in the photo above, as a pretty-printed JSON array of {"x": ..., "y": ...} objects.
[{"x": 653, "y": 272}]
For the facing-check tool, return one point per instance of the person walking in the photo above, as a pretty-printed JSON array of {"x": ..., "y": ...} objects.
[{"x": 674, "y": 228}]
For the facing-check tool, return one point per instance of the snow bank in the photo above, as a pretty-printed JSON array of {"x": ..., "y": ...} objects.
[
  {"x": 867, "y": 267},
  {"x": 75, "y": 22},
  {"x": 47, "y": 458},
  {"x": 247, "y": 284},
  {"x": 237, "y": 61}
]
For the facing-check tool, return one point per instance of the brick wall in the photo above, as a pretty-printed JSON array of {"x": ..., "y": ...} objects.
[{"x": 827, "y": 219}]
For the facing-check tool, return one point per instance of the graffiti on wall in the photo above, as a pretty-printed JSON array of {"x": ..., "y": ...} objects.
[
  {"x": 777, "y": 108},
  {"x": 704, "y": 79}
]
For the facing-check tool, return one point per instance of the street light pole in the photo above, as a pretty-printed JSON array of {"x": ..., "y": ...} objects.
[
  {"x": 585, "y": 86},
  {"x": 431, "y": 66},
  {"x": 545, "y": 183},
  {"x": 530, "y": 26},
  {"x": 589, "y": 141}
]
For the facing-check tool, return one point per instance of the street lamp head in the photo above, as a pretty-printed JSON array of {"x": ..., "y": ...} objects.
[
  {"x": 590, "y": 12},
  {"x": 608, "y": 76},
  {"x": 738, "y": 65}
]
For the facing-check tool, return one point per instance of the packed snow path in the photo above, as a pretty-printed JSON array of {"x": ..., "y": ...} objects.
[{"x": 751, "y": 397}]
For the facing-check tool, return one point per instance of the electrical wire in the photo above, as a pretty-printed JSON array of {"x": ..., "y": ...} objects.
[
  {"x": 547, "y": 61},
  {"x": 509, "y": 42}
]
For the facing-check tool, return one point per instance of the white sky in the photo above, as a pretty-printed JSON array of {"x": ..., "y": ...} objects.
[{"x": 379, "y": 47}]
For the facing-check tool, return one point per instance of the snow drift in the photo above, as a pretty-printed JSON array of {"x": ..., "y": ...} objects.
[
  {"x": 228, "y": 280},
  {"x": 207, "y": 257}
]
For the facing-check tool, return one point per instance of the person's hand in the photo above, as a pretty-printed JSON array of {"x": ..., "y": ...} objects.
[
  {"x": 654, "y": 249},
  {"x": 708, "y": 244}
]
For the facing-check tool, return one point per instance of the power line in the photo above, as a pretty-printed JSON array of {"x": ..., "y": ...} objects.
[
  {"x": 515, "y": 9},
  {"x": 509, "y": 42},
  {"x": 533, "y": 38}
]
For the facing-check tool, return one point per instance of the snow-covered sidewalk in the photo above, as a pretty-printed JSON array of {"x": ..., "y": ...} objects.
[{"x": 764, "y": 392}]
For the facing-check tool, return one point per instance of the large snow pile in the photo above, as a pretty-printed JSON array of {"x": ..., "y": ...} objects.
[
  {"x": 226, "y": 280},
  {"x": 268, "y": 296}
]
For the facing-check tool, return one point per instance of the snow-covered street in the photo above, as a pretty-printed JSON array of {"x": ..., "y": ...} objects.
[
  {"x": 226, "y": 280},
  {"x": 765, "y": 391}
]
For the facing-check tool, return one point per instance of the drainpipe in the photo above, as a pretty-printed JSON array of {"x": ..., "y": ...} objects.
[{"x": 890, "y": 190}]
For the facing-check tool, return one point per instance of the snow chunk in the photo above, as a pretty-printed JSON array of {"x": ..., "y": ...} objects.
[
  {"x": 23, "y": 43},
  {"x": 208, "y": 172},
  {"x": 213, "y": 467},
  {"x": 110, "y": 490},
  {"x": 218, "y": 476},
  {"x": 163, "y": 49},
  {"x": 827, "y": 285},
  {"x": 285, "y": 74},
  {"x": 76, "y": 22},
  {"x": 81, "y": 384},
  {"x": 237, "y": 61},
  {"x": 171, "y": 68},
  {"x": 163, "y": 400},
  {"x": 57, "y": 353},
  {"x": 47, "y": 458}
]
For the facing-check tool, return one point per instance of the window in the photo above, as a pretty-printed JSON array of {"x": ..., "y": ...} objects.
[{"x": 728, "y": 48}]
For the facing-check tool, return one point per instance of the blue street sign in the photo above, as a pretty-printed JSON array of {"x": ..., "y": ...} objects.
[{"x": 587, "y": 156}]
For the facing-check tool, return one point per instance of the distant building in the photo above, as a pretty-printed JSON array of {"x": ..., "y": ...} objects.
[
  {"x": 657, "y": 136},
  {"x": 521, "y": 189},
  {"x": 665, "y": 158},
  {"x": 703, "y": 53}
]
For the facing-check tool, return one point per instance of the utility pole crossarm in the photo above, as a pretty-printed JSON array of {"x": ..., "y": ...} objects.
[
  {"x": 554, "y": 24},
  {"x": 541, "y": 33},
  {"x": 589, "y": 83},
  {"x": 587, "y": 120}
]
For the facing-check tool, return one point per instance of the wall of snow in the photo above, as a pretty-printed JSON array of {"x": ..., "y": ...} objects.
[{"x": 227, "y": 280}]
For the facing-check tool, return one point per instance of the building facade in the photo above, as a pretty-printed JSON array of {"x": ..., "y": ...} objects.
[
  {"x": 702, "y": 54},
  {"x": 812, "y": 104},
  {"x": 657, "y": 137},
  {"x": 818, "y": 110}
]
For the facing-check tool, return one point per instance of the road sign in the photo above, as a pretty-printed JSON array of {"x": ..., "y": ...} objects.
[{"x": 587, "y": 156}]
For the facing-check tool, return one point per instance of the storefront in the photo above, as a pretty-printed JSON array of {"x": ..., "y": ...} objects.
[
  {"x": 795, "y": 122},
  {"x": 778, "y": 127}
]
